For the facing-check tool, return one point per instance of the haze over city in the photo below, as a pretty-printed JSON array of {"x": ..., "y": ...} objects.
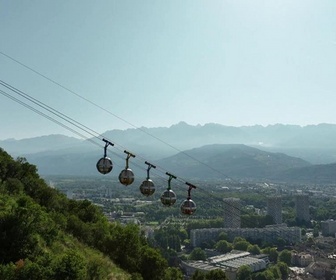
[{"x": 156, "y": 63}]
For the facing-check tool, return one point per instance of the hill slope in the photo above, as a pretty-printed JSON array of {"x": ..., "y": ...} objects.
[
  {"x": 230, "y": 161},
  {"x": 46, "y": 236}
]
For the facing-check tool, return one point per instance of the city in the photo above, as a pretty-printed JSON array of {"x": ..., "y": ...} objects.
[{"x": 281, "y": 215}]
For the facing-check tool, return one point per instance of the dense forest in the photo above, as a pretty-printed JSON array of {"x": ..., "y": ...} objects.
[{"x": 44, "y": 235}]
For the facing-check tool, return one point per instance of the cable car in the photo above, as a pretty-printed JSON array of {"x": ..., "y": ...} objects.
[
  {"x": 168, "y": 197},
  {"x": 147, "y": 187},
  {"x": 188, "y": 207},
  {"x": 126, "y": 176},
  {"x": 105, "y": 165}
]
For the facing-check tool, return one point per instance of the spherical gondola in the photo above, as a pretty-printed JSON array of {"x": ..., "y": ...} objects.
[
  {"x": 188, "y": 207},
  {"x": 147, "y": 187},
  {"x": 126, "y": 177},
  {"x": 104, "y": 165},
  {"x": 168, "y": 198}
]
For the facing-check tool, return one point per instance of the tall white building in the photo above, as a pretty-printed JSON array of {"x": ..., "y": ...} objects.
[
  {"x": 274, "y": 208},
  {"x": 232, "y": 208}
]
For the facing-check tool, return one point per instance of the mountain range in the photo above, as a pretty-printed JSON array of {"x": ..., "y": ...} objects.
[{"x": 275, "y": 152}]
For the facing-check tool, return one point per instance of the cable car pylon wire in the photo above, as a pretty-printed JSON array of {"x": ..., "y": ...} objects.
[
  {"x": 46, "y": 116},
  {"x": 50, "y": 109},
  {"x": 109, "y": 112}
]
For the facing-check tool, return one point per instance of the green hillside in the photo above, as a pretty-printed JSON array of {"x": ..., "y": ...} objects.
[{"x": 43, "y": 235}]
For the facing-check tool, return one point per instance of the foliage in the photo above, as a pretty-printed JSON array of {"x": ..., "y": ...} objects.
[
  {"x": 222, "y": 236},
  {"x": 152, "y": 265},
  {"x": 223, "y": 246},
  {"x": 285, "y": 256},
  {"x": 284, "y": 270},
  {"x": 198, "y": 275},
  {"x": 198, "y": 254},
  {"x": 272, "y": 254},
  {"x": 173, "y": 273},
  {"x": 43, "y": 235},
  {"x": 244, "y": 273},
  {"x": 265, "y": 275},
  {"x": 216, "y": 274},
  {"x": 241, "y": 245},
  {"x": 253, "y": 249},
  {"x": 70, "y": 266},
  {"x": 275, "y": 271}
]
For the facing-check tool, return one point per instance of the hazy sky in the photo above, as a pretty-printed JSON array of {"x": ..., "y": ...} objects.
[{"x": 155, "y": 63}]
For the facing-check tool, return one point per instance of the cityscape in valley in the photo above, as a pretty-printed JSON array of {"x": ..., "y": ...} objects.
[
  {"x": 246, "y": 223},
  {"x": 167, "y": 140},
  {"x": 289, "y": 218},
  {"x": 243, "y": 225},
  {"x": 238, "y": 222}
]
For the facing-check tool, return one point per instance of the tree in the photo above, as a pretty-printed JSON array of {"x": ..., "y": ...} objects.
[
  {"x": 123, "y": 245},
  {"x": 7, "y": 271},
  {"x": 241, "y": 245},
  {"x": 265, "y": 275},
  {"x": 71, "y": 266},
  {"x": 285, "y": 256},
  {"x": 275, "y": 271},
  {"x": 244, "y": 273},
  {"x": 223, "y": 236},
  {"x": 197, "y": 254},
  {"x": 238, "y": 239},
  {"x": 253, "y": 249},
  {"x": 198, "y": 275},
  {"x": 272, "y": 254},
  {"x": 216, "y": 274},
  {"x": 284, "y": 270},
  {"x": 152, "y": 264},
  {"x": 173, "y": 273},
  {"x": 223, "y": 246}
]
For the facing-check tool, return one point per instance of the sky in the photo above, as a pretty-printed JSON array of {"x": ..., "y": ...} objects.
[{"x": 154, "y": 63}]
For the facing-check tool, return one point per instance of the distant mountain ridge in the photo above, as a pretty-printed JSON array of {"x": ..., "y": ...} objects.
[
  {"x": 226, "y": 161},
  {"x": 39, "y": 144},
  {"x": 313, "y": 144}
]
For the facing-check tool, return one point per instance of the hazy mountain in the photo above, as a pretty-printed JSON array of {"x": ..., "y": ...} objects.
[
  {"x": 40, "y": 144},
  {"x": 314, "y": 143},
  {"x": 230, "y": 161},
  {"x": 315, "y": 174},
  {"x": 58, "y": 154}
]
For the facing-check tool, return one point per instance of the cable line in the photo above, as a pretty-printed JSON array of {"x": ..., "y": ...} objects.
[
  {"x": 50, "y": 109},
  {"x": 109, "y": 112},
  {"x": 209, "y": 194},
  {"x": 46, "y": 116},
  {"x": 79, "y": 125}
]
